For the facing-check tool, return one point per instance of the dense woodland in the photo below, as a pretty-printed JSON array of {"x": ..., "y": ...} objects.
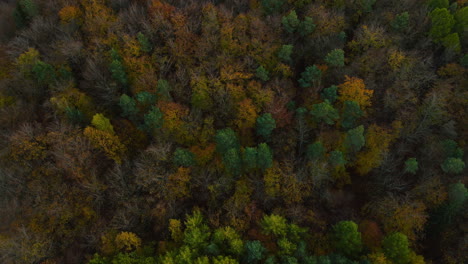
[{"x": 233, "y": 131}]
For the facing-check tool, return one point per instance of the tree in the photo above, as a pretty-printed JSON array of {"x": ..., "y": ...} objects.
[
  {"x": 461, "y": 20},
  {"x": 117, "y": 69},
  {"x": 337, "y": 158},
  {"x": 44, "y": 73},
  {"x": 452, "y": 42},
  {"x": 290, "y": 22},
  {"x": 347, "y": 239},
  {"x": 146, "y": 98},
  {"x": 152, "y": 120},
  {"x": 164, "y": 89},
  {"x": 335, "y": 58},
  {"x": 24, "y": 12},
  {"x": 354, "y": 89},
  {"x": 272, "y": 6},
  {"x": 411, "y": 166},
  {"x": 233, "y": 162},
  {"x": 254, "y": 251},
  {"x": 262, "y": 74},
  {"x": 102, "y": 123},
  {"x": 354, "y": 139},
  {"x": 265, "y": 125},
  {"x": 453, "y": 165},
  {"x": 249, "y": 158},
  {"x": 285, "y": 53},
  {"x": 183, "y": 158},
  {"x": 400, "y": 22},
  {"x": 307, "y": 26},
  {"x": 330, "y": 93},
  {"x": 226, "y": 139},
  {"x": 128, "y": 106},
  {"x": 127, "y": 241},
  {"x": 432, "y": 4},
  {"x": 311, "y": 75},
  {"x": 315, "y": 151},
  {"x": 351, "y": 113},
  {"x": 442, "y": 23},
  {"x": 396, "y": 248},
  {"x": 109, "y": 143},
  {"x": 274, "y": 225},
  {"x": 324, "y": 112},
  {"x": 264, "y": 156},
  {"x": 144, "y": 42}
]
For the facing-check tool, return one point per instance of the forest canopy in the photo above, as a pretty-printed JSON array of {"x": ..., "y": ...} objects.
[{"x": 225, "y": 132}]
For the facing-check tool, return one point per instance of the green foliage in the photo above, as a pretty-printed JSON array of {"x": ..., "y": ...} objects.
[
  {"x": 452, "y": 42},
  {"x": 25, "y": 11},
  {"x": 411, "y": 166},
  {"x": 335, "y": 58},
  {"x": 442, "y": 24},
  {"x": 347, "y": 239},
  {"x": 152, "y": 120},
  {"x": 74, "y": 116},
  {"x": 285, "y": 53},
  {"x": 324, "y": 112},
  {"x": 102, "y": 123},
  {"x": 464, "y": 61},
  {"x": 336, "y": 158},
  {"x": 226, "y": 139},
  {"x": 330, "y": 94},
  {"x": 458, "y": 195},
  {"x": 274, "y": 225},
  {"x": 118, "y": 72},
  {"x": 233, "y": 162},
  {"x": 272, "y": 6},
  {"x": 311, "y": 75},
  {"x": 146, "y": 98},
  {"x": 254, "y": 252},
  {"x": 249, "y": 158},
  {"x": 262, "y": 74},
  {"x": 396, "y": 248},
  {"x": 433, "y": 4},
  {"x": 366, "y": 5},
  {"x": 290, "y": 22},
  {"x": 351, "y": 113},
  {"x": 264, "y": 156},
  {"x": 183, "y": 158},
  {"x": 307, "y": 26},
  {"x": 196, "y": 233},
  {"x": 128, "y": 106},
  {"x": 164, "y": 89},
  {"x": 265, "y": 125},
  {"x": 354, "y": 139},
  {"x": 461, "y": 20},
  {"x": 453, "y": 165},
  {"x": 401, "y": 21},
  {"x": 315, "y": 151},
  {"x": 44, "y": 73},
  {"x": 144, "y": 43}
]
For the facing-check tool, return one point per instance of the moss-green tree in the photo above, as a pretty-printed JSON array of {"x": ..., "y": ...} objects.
[
  {"x": 330, "y": 93},
  {"x": 183, "y": 158},
  {"x": 411, "y": 165},
  {"x": 249, "y": 158},
  {"x": 354, "y": 139},
  {"x": 324, "y": 112},
  {"x": 310, "y": 76},
  {"x": 264, "y": 156},
  {"x": 400, "y": 22},
  {"x": 351, "y": 113},
  {"x": 453, "y": 165},
  {"x": 347, "y": 239},
  {"x": 128, "y": 106},
  {"x": 226, "y": 139},
  {"x": 285, "y": 53},
  {"x": 307, "y": 26},
  {"x": 262, "y": 74},
  {"x": 290, "y": 22},
  {"x": 396, "y": 248},
  {"x": 335, "y": 58},
  {"x": 102, "y": 123},
  {"x": 442, "y": 23},
  {"x": 315, "y": 151},
  {"x": 265, "y": 125}
]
